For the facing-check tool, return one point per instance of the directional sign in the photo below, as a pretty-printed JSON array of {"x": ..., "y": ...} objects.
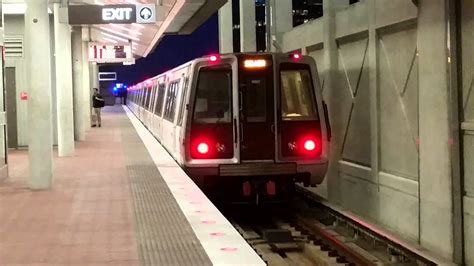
[
  {"x": 107, "y": 14},
  {"x": 146, "y": 13}
]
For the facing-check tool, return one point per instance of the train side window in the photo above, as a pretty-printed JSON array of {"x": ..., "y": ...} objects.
[
  {"x": 213, "y": 96},
  {"x": 153, "y": 98},
  {"x": 297, "y": 98},
  {"x": 161, "y": 97},
  {"x": 170, "y": 107},
  {"x": 183, "y": 104},
  {"x": 148, "y": 97}
]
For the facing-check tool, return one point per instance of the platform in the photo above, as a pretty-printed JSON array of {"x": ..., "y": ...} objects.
[{"x": 121, "y": 200}]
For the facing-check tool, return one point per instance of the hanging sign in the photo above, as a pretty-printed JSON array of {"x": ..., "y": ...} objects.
[
  {"x": 111, "y": 14},
  {"x": 101, "y": 53}
]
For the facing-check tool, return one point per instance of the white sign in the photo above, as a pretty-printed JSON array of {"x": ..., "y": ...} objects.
[
  {"x": 101, "y": 53},
  {"x": 146, "y": 13},
  {"x": 119, "y": 14}
]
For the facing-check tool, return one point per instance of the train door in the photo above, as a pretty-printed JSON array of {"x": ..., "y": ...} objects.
[{"x": 256, "y": 104}]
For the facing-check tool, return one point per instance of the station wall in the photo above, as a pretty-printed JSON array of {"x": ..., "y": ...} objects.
[
  {"x": 14, "y": 32},
  {"x": 368, "y": 58}
]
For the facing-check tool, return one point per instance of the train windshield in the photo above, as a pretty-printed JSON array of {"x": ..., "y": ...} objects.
[
  {"x": 213, "y": 100},
  {"x": 297, "y": 97}
]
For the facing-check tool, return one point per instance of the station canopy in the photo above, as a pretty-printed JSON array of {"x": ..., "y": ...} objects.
[{"x": 172, "y": 17}]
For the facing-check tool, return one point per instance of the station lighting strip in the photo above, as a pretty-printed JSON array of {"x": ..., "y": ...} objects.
[{"x": 120, "y": 34}]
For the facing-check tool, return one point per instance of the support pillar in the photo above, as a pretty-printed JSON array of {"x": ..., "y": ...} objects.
[
  {"x": 331, "y": 59},
  {"x": 64, "y": 91},
  {"x": 248, "y": 37},
  {"x": 79, "y": 107},
  {"x": 434, "y": 127},
  {"x": 226, "y": 38},
  {"x": 86, "y": 85},
  {"x": 94, "y": 76},
  {"x": 280, "y": 20},
  {"x": 38, "y": 58}
]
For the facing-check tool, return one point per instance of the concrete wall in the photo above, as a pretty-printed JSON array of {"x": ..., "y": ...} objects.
[
  {"x": 468, "y": 125},
  {"x": 14, "y": 26},
  {"x": 369, "y": 64}
]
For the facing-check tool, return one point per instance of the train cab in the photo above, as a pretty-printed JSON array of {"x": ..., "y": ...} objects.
[{"x": 257, "y": 123}]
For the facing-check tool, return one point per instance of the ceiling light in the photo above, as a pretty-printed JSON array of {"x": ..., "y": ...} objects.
[
  {"x": 119, "y": 33},
  {"x": 109, "y": 40},
  {"x": 126, "y": 29},
  {"x": 114, "y": 37}
]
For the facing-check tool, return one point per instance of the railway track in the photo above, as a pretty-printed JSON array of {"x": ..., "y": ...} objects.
[{"x": 310, "y": 233}]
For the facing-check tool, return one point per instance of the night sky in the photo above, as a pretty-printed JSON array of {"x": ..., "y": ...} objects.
[{"x": 172, "y": 51}]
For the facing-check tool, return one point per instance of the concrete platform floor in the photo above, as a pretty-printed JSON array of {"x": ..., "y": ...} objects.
[{"x": 86, "y": 219}]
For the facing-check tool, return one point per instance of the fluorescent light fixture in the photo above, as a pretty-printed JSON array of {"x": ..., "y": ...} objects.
[
  {"x": 16, "y": 9},
  {"x": 126, "y": 29},
  {"x": 114, "y": 37},
  {"x": 138, "y": 25},
  {"x": 109, "y": 40},
  {"x": 100, "y": 3},
  {"x": 119, "y": 33}
]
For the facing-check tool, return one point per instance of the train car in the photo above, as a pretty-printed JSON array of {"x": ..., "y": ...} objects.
[{"x": 242, "y": 126}]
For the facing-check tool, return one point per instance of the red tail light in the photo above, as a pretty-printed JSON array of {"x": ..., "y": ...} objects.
[
  {"x": 309, "y": 145},
  {"x": 203, "y": 148}
]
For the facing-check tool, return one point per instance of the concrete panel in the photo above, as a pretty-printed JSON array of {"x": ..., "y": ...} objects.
[
  {"x": 398, "y": 92},
  {"x": 352, "y": 20},
  {"x": 391, "y": 12},
  {"x": 468, "y": 59},
  {"x": 356, "y": 145},
  {"x": 469, "y": 163},
  {"x": 469, "y": 229},
  {"x": 393, "y": 209},
  {"x": 318, "y": 55},
  {"x": 304, "y": 36},
  {"x": 467, "y": 42}
]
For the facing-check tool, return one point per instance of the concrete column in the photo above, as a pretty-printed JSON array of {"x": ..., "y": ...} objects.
[
  {"x": 281, "y": 21},
  {"x": 434, "y": 123},
  {"x": 79, "y": 124},
  {"x": 86, "y": 88},
  {"x": 63, "y": 57},
  {"x": 248, "y": 37},
  {"x": 226, "y": 38},
  {"x": 331, "y": 59},
  {"x": 38, "y": 56},
  {"x": 94, "y": 69}
]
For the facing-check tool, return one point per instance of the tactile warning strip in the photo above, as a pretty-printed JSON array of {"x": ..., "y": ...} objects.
[{"x": 164, "y": 236}]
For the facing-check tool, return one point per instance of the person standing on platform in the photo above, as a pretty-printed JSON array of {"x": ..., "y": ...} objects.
[
  {"x": 97, "y": 102},
  {"x": 124, "y": 96}
]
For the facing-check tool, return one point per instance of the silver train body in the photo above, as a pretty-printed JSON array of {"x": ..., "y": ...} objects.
[{"x": 240, "y": 125}]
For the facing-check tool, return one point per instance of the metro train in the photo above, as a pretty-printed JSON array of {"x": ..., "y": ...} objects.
[{"x": 244, "y": 126}]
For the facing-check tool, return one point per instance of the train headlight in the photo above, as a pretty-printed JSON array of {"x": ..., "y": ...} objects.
[
  {"x": 203, "y": 148},
  {"x": 309, "y": 145}
]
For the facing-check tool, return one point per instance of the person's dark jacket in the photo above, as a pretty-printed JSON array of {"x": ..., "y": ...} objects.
[{"x": 98, "y": 101}]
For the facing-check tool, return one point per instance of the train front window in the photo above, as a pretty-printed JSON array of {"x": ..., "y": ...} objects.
[
  {"x": 297, "y": 96},
  {"x": 213, "y": 96},
  {"x": 256, "y": 100}
]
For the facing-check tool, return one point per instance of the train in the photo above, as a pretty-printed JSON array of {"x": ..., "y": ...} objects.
[{"x": 243, "y": 126}]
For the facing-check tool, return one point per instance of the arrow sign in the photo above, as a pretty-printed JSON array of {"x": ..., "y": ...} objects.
[{"x": 146, "y": 13}]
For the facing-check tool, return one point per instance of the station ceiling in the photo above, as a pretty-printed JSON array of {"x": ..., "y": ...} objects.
[{"x": 173, "y": 17}]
